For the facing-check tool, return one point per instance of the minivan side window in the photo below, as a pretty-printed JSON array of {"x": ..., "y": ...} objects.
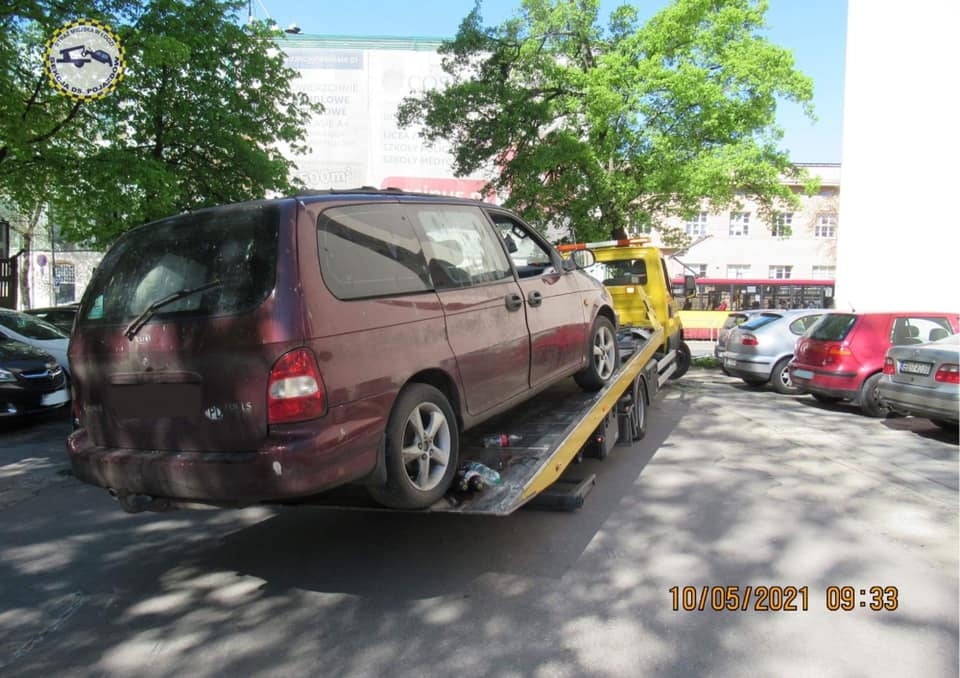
[
  {"x": 460, "y": 246},
  {"x": 370, "y": 251},
  {"x": 530, "y": 257}
]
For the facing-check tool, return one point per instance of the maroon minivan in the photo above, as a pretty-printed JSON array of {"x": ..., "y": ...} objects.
[{"x": 276, "y": 349}]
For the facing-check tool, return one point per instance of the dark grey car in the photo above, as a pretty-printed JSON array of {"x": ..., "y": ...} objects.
[{"x": 759, "y": 350}]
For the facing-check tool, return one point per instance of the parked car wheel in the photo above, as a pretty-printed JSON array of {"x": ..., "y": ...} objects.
[
  {"x": 780, "y": 379},
  {"x": 603, "y": 358},
  {"x": 684, "y": 358},
  {"x": 422, "y": 449},
  {"x": 946, "y": 425},
  {"x": 870, "y": 397}
]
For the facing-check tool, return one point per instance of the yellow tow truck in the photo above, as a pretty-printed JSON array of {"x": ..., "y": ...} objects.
[{"x": 635, "y": 274}]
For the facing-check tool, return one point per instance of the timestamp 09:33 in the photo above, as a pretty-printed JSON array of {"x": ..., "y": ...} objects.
[{"x": 782, "y": 598}]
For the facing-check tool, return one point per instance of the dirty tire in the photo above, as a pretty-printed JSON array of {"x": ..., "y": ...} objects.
[
  {"x": 684, "y": 359},
  {"x": 633, "y": 421},
  {"x": 870, "y": 397},
  {"x": 780, "y": 379},
  {"x": 421, "y": 451},
  {"x": 603, "y": 356}
]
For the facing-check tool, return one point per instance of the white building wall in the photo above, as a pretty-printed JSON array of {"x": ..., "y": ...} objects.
[{"x": 897, "y": 246}]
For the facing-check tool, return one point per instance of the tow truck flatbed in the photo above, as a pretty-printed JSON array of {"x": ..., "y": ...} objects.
[{"x": 556, "y": 426}]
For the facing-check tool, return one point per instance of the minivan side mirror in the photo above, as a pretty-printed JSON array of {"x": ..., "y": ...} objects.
[{"x": 582, "y": 259}]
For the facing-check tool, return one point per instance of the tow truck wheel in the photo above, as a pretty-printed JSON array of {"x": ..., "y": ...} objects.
[
  {"x": 603, "y": 356},
  {"x": 683, "y": 360},
  {"x": 422, "y": 448},
  {"x": 633, "y": 421}
]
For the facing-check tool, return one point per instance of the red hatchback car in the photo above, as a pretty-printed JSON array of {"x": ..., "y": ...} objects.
[
  {"x": 841, "y": 357},
  {"x": 275, "y": 349}
]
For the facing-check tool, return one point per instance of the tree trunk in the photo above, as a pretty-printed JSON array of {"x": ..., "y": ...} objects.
[{"x": 24, "y": 269}]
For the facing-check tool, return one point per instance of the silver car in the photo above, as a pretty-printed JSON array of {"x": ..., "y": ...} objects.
[
  {"x": 39, "y": 334},
  {"x": 732, "y": 321},
  {"x": 923, "y": 380},
  {"x": 759, "y": 350}
]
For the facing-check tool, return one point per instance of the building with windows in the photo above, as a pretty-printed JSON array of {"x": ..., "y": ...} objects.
[{"x": 799, "y": 245}]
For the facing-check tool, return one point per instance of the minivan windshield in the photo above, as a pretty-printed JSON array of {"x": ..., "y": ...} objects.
[
  {"x": 833, "y": 327},
  {"x": 237, "y": 247}
]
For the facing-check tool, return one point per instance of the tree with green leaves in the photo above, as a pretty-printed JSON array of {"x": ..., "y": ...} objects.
[
  {"x": 205, "y": 114},
  {"x": 598, "y": 129}
]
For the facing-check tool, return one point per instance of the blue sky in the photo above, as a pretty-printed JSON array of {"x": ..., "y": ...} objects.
[{"x": 814, "y": 30}]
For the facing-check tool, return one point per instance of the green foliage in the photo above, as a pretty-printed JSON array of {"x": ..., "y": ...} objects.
[
  {"x": 598, "y": 129},
  {"x": 201, "y": 117}
]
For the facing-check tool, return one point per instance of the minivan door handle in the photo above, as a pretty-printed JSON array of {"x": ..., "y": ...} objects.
[
  {"x": 535, "y": 298},
  {"x": 513, "y": 301}
]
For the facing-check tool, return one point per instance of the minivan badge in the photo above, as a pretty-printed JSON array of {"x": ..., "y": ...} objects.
[{"x": 213, "y": 413}]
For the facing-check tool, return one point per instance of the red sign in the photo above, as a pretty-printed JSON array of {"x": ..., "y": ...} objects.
[{"x": 456, "y": 188}]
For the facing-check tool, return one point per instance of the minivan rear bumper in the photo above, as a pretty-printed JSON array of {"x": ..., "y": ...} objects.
[{"x": 296, "y": 469}]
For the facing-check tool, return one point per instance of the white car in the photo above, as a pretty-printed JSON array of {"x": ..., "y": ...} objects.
[{"x": 22, "y": 327}]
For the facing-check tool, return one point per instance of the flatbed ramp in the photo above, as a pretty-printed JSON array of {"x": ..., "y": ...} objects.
[{"x": 555, "y": 426}]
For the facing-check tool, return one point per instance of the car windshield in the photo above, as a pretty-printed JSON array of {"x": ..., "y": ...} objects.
[
  {"x": 30, "y": 327},
  {"x": 235, "y": 247},
  {"x": 833, "y": 327},
  {"x": 760, "y": 321}
]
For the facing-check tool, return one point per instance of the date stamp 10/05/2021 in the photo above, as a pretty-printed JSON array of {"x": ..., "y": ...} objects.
[{"x": 844, "y": 598}]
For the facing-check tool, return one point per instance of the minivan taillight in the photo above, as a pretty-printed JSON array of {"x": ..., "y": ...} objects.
[
  {"x": 948, "y": 374},
  {"x": 749, "y": 340},
  {"x": 295, "y": 390},
  {"x": 888, "y": 367}
]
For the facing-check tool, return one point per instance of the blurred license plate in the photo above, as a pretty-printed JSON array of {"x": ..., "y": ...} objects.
[
  {"x": 915, "y": 368},
  {"x": 802, "y": 374},
  {"x": 55, "y": 398},
  {"x": 729, "y": 362}
]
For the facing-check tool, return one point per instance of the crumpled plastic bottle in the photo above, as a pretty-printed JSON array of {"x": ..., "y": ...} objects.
[
  {"x": 487, "y": 474},
  {"x": 501, "y": 440}
]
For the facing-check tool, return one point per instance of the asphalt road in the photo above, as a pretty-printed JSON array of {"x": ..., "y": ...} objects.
[{"x": 731, "y": 487}]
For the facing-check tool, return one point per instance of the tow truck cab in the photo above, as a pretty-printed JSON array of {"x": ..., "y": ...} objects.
[{"x": 626, "y": 266}]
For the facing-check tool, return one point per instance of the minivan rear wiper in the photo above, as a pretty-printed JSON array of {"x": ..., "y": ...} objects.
[{"x": 148, "y": 312}]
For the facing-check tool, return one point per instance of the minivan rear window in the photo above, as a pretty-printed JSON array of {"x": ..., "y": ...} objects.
[
  {"x": 232, "y": 252},
  {"x": 833, "y": 327}
]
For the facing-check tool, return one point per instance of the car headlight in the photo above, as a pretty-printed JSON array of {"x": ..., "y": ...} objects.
[{"x": 6, "y": 376}]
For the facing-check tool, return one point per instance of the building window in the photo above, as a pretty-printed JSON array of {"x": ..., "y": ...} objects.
[
  {"x": 783, "y": 225},
  {"x": 698, "y": 270},
  {"x": 739, "y": 224},
  {"x": 824, "y": 272},
  {"x": 697, "y": 225},
  {"x": 64, "y": 283},
  {"x": 826, "y": 226},
  {"x": 780, "y": 272},
  {"x": 738, "y": 270}
]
